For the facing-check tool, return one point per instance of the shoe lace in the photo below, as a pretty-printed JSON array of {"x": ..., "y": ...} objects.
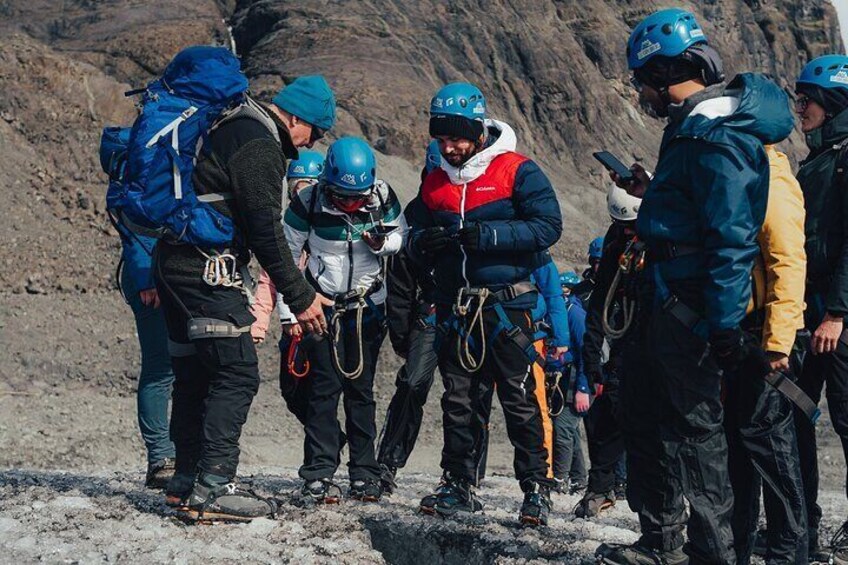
[{"x": 839, "y": 542}]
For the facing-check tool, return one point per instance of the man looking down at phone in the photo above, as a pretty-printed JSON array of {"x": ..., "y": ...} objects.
[
  {"x": 350, "y": 222},
  {"x": 489, "y": 216},
  {"x": 699, "y": 218}
]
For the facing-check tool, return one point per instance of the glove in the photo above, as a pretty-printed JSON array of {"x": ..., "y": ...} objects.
[
  {"x": 469, "y": 237},
  {"x": 433, "y": 240},
  {"x": 736, "y": 350}
]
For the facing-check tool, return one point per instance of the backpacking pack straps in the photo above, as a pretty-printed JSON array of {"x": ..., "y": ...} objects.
[
  {"x": 249, "y": 108},
  {"x": 173, "y": 128},
  {"x": 515, "y": 334}
]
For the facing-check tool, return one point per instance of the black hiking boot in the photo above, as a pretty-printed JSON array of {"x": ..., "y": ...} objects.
[
  {"x": 637, "y": 554},
  {"x": 620, "y": 490},
  {"x": 368, "y": 490},
  {"x": 536, "y": 506},
  {"x": 226, "y": 503},
  {"x": 159, "y": 474},
  {"x": 320, "y": 491},
  {"x": 387, "y": 479},
  {"x": 452, "y": 496},
  {"x": 179, "y": 489},
  {"x": 839, "y": 546},
  {"x": 593, "y": 503}
]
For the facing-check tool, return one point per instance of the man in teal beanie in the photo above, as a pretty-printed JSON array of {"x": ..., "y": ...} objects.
[{"x": 307, "y": 107}]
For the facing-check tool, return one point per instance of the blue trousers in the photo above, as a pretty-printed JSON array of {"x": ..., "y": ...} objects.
[
  {"x": 568, "y": 453},
  {"x": 156, "y": 379}
]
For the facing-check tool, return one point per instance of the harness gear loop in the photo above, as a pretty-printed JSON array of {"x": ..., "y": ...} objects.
[
  {"x": 222, "y": 269},
  {"x": 291, "y": 358},
  {"x": 466, "y": 330},
  {"x": 353, "y": 300},
  {"x": 632, "y": 260}
]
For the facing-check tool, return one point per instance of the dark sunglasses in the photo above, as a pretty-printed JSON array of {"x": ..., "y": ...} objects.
[
  {"x": 801, "y": 103},
  {"x": 317, "y": 133}
]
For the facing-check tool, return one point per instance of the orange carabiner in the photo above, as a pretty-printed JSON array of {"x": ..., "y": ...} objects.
[{"x": 294, "y": 347}]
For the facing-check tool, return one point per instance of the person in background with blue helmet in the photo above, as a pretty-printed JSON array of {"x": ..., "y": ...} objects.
[
  {"x": 569, "y": 399},
  {"x": 584, "y": 289},
  {"x": 350, "y": 221},
  {"x": 699, "y": 219},
  {"x": 489, "y": 217},
  {"x": 304, "y": 171},
  {"x": 822, "y": 105}
]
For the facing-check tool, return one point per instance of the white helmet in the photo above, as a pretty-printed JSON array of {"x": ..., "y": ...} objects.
[{"x": 622, "y": 206}]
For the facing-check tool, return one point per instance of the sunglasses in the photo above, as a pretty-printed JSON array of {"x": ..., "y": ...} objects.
[
  {"x": 801, "y": 103},
  {"x": 317, "y": 133}
]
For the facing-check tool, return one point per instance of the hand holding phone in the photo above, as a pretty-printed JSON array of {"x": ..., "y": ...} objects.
[{"x": 614, "y": 165}]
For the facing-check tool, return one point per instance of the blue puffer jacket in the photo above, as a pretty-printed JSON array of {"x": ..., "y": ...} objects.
[
  {"x": 512, "y": 201},
  {"x": 551, "y": 304},
  {"x": 710, "y": 190},
  {"x": 137, "y": 257}
]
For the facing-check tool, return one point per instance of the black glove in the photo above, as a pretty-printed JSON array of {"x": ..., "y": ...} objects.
[
  {"x": 433, "y": 240},
  {"x": 736, "y": 350},
  {"x": 469, "y": 237}
]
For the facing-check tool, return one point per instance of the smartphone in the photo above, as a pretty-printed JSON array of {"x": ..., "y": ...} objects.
[
  {"x": 381, "y": 230},
  {"x": 612, "y": 163}
]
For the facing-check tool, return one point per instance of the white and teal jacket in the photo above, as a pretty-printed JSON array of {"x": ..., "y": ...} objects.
[{"x": 339, "y": 260}]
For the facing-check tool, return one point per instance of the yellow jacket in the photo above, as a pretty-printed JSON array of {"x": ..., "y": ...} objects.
[{"x": 779, "y": 273}]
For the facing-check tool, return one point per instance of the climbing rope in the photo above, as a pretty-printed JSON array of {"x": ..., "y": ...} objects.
[
  {"x": 466, "y": 331},
  {"x": 631, "y": 260},
  {"x": 339, "y": 310}
]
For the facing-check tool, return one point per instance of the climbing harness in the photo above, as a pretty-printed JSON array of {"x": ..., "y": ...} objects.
[
  {"x": 464, "y": 298},
  {"x": 291, "y": 358},
  {"x": 222, "y": 269},
  {"x": 632, "y": 260}
]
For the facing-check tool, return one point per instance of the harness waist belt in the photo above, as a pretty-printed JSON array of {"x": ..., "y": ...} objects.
[
  {"x": 513, "y": 291},
  {"x": 667, "y": 250},
  {"x": 201, "y": 328}
]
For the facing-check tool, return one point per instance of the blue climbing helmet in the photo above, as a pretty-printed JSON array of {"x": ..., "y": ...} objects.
[
  {"x": 458, "y": 110},
  {"x": 308, "y": 165},
  {"x": 433, "y": 160},
  {"x": 350, "y": 166},
  {"x": 568, "y": 279},
  {"x": 827, "y": 71},
  {"x": 596, "y": 248},
  {"x": 667, "y": 33}
]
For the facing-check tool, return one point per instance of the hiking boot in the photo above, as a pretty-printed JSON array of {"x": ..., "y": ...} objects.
[
  {"x": 159, "y": 474},
  {"x": 179, "y": 489},
  {"x": 637, "y": 554},
  {"x": 321, "y": 491},
  {"x": 368, "y": 490},
  {"x": 228, "y": 502},
  {"x": 593, "y": 503},
  {"x": 839, "y": 546},
  {"x": 387, "y": 479},
  {"x": 452, "y": 496},
  {"x": 620, "y": 490},
  {"x": 577, "y": 487},
  {"x": 536, "y": 506},
  {"x": 560, "y": 486}
]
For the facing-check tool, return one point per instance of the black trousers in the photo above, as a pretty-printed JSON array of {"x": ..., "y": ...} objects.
[
  {"x": 295, "y": 390},
  {"x": 762, "y": 447},
  {"x": 604, "y": 437},
  {"x": 463, "y": 414},
  {"x": 406, "y": 409},
  {"x": 675, "y": 440},
  {"x": 214, "y": 386},
  {"x": 324, "y": 440},
  {"x": 830, "y": 368}
]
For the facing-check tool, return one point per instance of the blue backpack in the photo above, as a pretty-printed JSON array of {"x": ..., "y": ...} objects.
[{"x": 150, "y": 165}]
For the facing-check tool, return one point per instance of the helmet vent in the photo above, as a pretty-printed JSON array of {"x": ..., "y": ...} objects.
[{"x": 667, "y": 29}]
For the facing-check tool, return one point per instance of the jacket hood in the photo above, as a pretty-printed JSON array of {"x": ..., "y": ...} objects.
[
  {"x": 751, "y": 104},
  {"x": 504, "y": 142}
]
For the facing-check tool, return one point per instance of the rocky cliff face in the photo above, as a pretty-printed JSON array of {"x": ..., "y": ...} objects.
[{"x": 554, "y": 70}]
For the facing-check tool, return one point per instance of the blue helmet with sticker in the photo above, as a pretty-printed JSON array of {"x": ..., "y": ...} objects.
[
  {"x": 459, "y": 99},
  {"x": 666, "y": 33},
  {"x": 596, "y": 248},
  {"x": 568, "y": 279},
  {"x": 433, "y": 160},
  {"x": 350, "y": 166},
  {"x": 827, "y": 71},
  {"x": 308, "y": 165}
]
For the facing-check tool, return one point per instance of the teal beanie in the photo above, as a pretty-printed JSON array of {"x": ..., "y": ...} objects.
[{"x": 310, "y": 99}]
